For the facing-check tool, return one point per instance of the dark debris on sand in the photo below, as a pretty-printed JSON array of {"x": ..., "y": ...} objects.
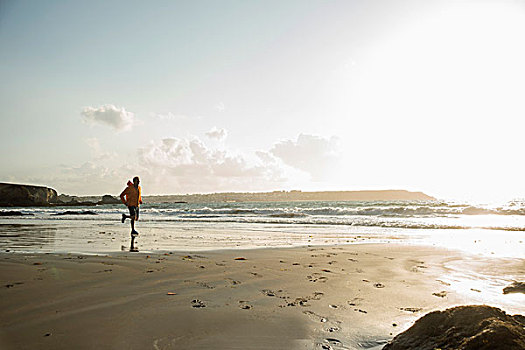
[{"x": 477, "y": 327}]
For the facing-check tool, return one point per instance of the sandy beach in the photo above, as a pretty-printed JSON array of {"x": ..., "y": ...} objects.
[{"x": 331, "y": 297}]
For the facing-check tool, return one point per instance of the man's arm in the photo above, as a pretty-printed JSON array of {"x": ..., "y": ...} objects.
[
  {"x": 140, "y": 195},
  {"x": 123, "y": 195}
]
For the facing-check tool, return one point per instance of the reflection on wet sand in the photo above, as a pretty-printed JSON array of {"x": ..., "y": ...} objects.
[{"x": 14, "y": 236}]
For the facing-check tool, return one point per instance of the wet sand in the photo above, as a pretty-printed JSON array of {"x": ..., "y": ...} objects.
[{"x": 332, "y": 297}]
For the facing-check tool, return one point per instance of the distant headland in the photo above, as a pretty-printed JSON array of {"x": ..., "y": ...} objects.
[
  {"x": 19, "y": 195},
  {"x": 287, "y": 196}
]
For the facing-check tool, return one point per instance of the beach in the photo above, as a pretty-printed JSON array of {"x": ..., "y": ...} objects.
[{"x": 307, "y": 297}]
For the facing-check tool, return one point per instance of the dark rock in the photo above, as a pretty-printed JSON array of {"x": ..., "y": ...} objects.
[
  {"x": 15, "y": 195},
  {"x": 65, "y": 199},
  {"x": 109, "y": 199},
  {"x": 516, "y": 287},
  {"x": 13, "y": 213},
  {"x": 477, "y": 327},
  {"x": 70, "y": 212}
]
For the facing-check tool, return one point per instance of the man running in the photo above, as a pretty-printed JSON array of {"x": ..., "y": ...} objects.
[{"x": 131, "y": 197}]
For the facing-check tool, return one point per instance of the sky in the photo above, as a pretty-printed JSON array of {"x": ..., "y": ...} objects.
[{"x": 215, "y": 96}]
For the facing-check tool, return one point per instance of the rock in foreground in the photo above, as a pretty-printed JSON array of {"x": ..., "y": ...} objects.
[
  {"x": 515, "y": 287},
  {"x": 463, "y": 328}
]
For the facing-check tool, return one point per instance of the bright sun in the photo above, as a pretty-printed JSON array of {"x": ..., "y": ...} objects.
[{"x": 446, "y": 91}]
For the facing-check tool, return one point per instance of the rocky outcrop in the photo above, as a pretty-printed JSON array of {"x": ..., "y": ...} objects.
[
  {"x": 14, "y": 213},
  {"x": 109, "y": 199},
  {"x": 15, "y": 195},
  {"x": 70, "y": 212},
  {"x": 463, "y": 328},
  {"x": 515, "y": 287}
]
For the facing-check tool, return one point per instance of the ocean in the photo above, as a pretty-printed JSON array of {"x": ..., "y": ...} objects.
[{"x": 486, "y": 229}]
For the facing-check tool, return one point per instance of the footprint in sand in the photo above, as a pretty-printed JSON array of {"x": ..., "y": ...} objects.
[
  {"x": 297, "y": 302},
  {"x": 244, "y": 305},
  {"x": 443, "y": 282},
  {"x": 197, "y": 303},
  {"x": 233, "y": 282},
  {"x": 441, "y": 294},
  {"x": 329, "y": 344},
  {"x": 321, "y": 279},
  {"x": 200, "y": 284},
  {"x": 107, "y": 270},
  {"x": 11, "y": 285},
  {"x": 302, "y": 301},
  {"x": 317, "y": 295},
  {"x": 355, "y": 301},
  {"x": 315, "y": 316},
  {"x": 418, "y": 268},
  {"x": 268, "y": 293},
  {"x": 411, "y": 309}
]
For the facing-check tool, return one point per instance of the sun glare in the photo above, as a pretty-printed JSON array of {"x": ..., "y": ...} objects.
[{"x": 447, "y": 90}]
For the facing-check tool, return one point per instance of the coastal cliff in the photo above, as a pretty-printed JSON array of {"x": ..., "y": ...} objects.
[{"x": 16, "y": 195}]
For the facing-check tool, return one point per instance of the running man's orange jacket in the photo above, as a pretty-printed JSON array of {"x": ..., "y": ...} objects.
[{"x": 131, "y": 196}]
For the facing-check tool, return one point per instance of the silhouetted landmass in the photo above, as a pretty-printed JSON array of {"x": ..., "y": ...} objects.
[
  {"x": 18, "y": 195},
  {"x": 463, "y": 328},
  {"x": 15, "y": 195},
  {"x": 286, "y": 196}
]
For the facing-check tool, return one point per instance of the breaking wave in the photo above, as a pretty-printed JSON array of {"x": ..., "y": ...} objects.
[{"x": 409, "y": 215}]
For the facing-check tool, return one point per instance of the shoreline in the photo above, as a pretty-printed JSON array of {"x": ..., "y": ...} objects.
[
  {"x": 347, "y": 296},
  {"x": 100, "y": 237}
]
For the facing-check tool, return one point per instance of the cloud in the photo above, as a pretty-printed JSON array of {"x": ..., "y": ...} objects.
[
  {"x": 217, "y": 134},
  {"x": 189, "y": 165},
  {"x": 110, "y": 115},
  {"x": 97, "y": 153},
  {"x": 192, "y": 158},
  {"x": 315, "y": 155}
]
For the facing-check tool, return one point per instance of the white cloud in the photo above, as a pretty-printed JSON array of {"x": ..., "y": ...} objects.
[
  {"x": 97, "y": 153},
  {"x": 110, "y": 115},
  {"x": 188, "y": 165},
  {"x": 217, "y": 134},
  {"x": 316, "y": 155}
]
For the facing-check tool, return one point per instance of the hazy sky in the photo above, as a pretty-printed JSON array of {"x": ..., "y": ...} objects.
[{"x": 210, "y": 96}]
